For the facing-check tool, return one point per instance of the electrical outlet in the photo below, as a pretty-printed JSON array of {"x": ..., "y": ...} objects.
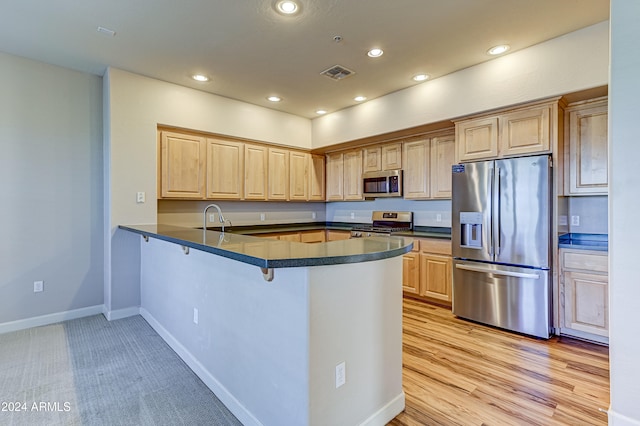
[
  {"x": 575, "y": 220},
  {"x": 195, "y": 315},
  {"x": 313, "y": 215},
  {"x": 140, "y": 197},
  {"x": 562, "y": 220},
  {"x": 212, "y": 217},
  {"x": 438, "y": 217},
  {"x": 262, "y": 216},
  {"x": 341, "y": 374},
  {"x": 353, "y": 215},
  {"x": 38, "y": 286}
]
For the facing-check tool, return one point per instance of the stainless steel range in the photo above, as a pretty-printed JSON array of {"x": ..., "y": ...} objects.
[{"x": 384, "y": 224}]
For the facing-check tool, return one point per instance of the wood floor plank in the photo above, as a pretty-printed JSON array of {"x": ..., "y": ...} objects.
[{"x": 457, "y": 372}]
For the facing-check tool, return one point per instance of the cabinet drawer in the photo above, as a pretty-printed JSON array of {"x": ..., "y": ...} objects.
[
  {"x": 586, "y": 262},
  {"x": 437, "y": 246}
]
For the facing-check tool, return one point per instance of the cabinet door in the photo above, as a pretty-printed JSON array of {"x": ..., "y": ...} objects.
[
  {"x": 477, "y": 139},
  {"x": 588, "y": 145},
  {"x": 182, "y": 166},
  {"x": 392, "y": 156},
  {"x": 372, "y": 159},
  {"x": 335, "y": 177},
  {"x": 225, "y": 169},
  {"x": 255, "y": 172},
  {"x": 435, "y": 277},
  {"x": 278, "y": 182},
  {"x": 299, "y": 175},
  {"x": 442, "y": 158},
  {"x": 524, "y": 132},
  {"x": 416, "y": 169},
  {"x": 353, "y": 175},
  {"x": 334, "y": 235},
  {"x": 586, "y": 303},
  {"x": 290, "y": 236},
  {"x": 313, "y": 236},
  {"x": 316, "y": 178},
  {"x": 411, "y": 273}
]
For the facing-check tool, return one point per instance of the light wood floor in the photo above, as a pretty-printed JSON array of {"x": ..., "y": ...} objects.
[{"x": 456, "y": 372}]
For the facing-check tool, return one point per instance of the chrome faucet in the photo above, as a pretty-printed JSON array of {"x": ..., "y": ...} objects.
[{"x": 220, "y": 217}]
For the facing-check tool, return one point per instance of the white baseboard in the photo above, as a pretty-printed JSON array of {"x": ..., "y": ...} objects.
[
  {"x": 121, "y": 313},
  {"x": 386, "y": 413},
  {"x": 238, "y": 410},
  {"x": 50, "y": 318},
  {"x": 616, "y": 419}
]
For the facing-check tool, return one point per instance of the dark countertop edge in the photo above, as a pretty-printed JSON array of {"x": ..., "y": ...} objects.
[
  {"x": 418, "y": 231},
  {"x": 579, "y": 241},
  {"x": 276, "y": 263},
  {"x": 288, "y": 227}
]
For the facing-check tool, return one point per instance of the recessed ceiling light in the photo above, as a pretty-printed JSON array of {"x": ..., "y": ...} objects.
[
  {"x": 287, "y": 7},
  {"x": 497, "y": 50},
  {"x": 274, "y": 98},
  {"x": 420, "y": 77},
  {"x": 375, "y": 52},
  {"x": 360, "y": 98},
  {"x": 321, "y": 111},
  {"x": 200, "y": 77}
]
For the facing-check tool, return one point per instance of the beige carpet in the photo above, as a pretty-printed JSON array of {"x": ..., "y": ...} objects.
[{"x": 91, "y": 371}]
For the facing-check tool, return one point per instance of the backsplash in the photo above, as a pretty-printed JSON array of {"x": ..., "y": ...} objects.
[
  {"x": 591, "y": 214},
  {"x": 189, "y": 213},
  {"x": 425, "y": 213}
]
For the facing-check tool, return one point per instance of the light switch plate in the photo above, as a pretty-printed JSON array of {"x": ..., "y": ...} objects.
[{"x": 140, "y": 197}]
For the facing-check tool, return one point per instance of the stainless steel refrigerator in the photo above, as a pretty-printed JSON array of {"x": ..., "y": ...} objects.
[{"x": 501, "y": 243}]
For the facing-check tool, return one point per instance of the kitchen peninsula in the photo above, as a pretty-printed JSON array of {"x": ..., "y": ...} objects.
[{"x": 282, "y": 332}]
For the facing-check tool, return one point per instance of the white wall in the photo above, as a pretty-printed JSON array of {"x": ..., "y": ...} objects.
[
  {"x": 569, "y": 63},
  {"x": 51, "y": 181},
  {"x": 269, "y": 349},
  {"x": 624, "y": 205},
  {"x": 135, "y": 105}
]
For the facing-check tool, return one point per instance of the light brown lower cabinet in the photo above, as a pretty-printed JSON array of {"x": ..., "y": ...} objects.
[
  {"x": 335, "y": 235},
  {"x": 313, "y": 236},
  {"x": 584, "y": 283},
  {"x": 427, "y": 270}
]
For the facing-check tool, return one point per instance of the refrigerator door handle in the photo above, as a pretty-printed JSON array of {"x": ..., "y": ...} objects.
[
  {"x": 497, "y": 272},
  {"x": 497, "y": 212},
  {"x": 491, "y": 185}
]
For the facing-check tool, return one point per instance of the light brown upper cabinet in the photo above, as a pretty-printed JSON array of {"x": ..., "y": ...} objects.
[
  {"x": 225, "y": 169},
  {"x": 372, "y": 157},
  {"x": 588, "y": 146},
  {"x": 443, "y": 150},
  {"x": 415, "y": 180},
  {"x": 427, "y": 167},
  {"x": 353, "y": 175},
  {"x": 508, "y": 133},
  {"x": 299, "y": 175},
  {"x": 344, "y": 175},
  {"x": 392, "y": 156},
  {"x": 335, "y": 177},
  {"x": 317, "y": 178},
  {"x": 182, "y": 165},
  {"x": 255, "y": 172},
  {"x": 278, "y": 175},
  {"x": 382, "y": 157}
]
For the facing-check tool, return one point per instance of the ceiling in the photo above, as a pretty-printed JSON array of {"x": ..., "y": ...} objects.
[{"x": 250, "y": 51}]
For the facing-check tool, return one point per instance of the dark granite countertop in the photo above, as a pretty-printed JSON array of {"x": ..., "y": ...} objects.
[
  {"x": 599, "y": 242},
  {"x": 417, "y": 232},
  {"x": 270, "y": 253}
]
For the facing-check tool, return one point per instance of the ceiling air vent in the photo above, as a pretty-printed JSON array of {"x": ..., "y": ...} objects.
[{"x": 337, "y": 72}]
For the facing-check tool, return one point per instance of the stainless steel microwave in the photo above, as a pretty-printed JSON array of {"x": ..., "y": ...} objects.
[{"x": 382, "y": 184}]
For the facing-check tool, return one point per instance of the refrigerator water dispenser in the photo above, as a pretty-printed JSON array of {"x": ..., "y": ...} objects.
[{"x": 471, "y": 235}]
